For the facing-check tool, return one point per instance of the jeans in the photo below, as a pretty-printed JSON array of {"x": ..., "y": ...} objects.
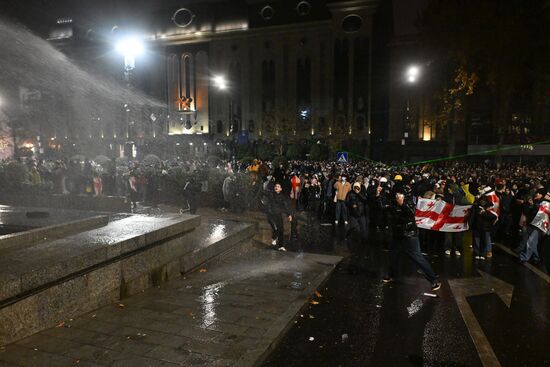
[
  {"x": 453, "y": 241},
  {"x": 482, "y": 242},
  {"x": 341, "y": 210},
  {"x": 411, "y": 246},
  {"x": 531, "y": 245}
]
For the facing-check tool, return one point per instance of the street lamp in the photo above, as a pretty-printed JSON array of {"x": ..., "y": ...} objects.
[
  {"x": 221, "y": 83},
  {"x": 130, "y": 48},
  {"x": 412, "y": 74}
]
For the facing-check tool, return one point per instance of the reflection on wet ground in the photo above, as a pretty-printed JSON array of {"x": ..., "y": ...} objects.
[
  {"x": 362, "y": 322},
  {"x": 225, "y": 314}
]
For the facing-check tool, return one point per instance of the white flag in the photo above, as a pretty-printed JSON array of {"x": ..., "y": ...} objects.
[{"x": 541, "y": 219}]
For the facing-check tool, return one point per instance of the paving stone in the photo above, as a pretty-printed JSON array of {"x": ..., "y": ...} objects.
[
  {"x": 32, "y": 358},
  {"x": 227, "y": 316},
  {"x": 169, "y": 354},
  {"x": 98, "y": 355},
  {"x": 142, "y": 362},
  {"x": 228, "y": 328}
]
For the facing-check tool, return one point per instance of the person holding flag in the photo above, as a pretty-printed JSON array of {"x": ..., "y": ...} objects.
[
  {"x": 537, "y": 229},
  {"x": 405, "y": 239}
]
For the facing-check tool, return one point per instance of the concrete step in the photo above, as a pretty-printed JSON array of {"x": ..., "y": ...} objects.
[
  {"x": 53, "y": 281},
  {"x": 232, "y": 313}
]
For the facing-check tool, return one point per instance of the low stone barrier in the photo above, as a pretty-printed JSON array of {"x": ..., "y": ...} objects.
[
  {"x": 112, "y": 204},
  {"x": 34, "y": 236},
  {"x": 63, "y": 279}
]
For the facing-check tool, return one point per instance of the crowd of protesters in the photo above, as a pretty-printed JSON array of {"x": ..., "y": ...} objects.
[
  {"x": 360, "y": 197},
  {"x": 355, "y": 196}
]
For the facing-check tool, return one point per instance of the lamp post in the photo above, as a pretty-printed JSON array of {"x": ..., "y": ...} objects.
[
  {"x": 221, "y": 83},
  {"x": 412, "y": 75},
  {"x": 129, "y": 48}
]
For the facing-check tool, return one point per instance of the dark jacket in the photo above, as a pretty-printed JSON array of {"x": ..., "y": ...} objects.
[
  {"x": 530, "y": 211},
  {"x": 402, "y": 221},
  {"x": 278, "y": 204},
  {"x": 481, "y": 219},
  {"x": 313, "y": 192},
  {"x": 357, "y": 204}
]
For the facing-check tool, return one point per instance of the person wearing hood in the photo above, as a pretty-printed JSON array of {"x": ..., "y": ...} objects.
[
  {"x": 342, "y": 187},
  {"x": 358, "y": 209},
  {"x": 313, "y": 188}
]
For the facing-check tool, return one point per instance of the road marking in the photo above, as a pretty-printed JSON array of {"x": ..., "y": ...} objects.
[
  {"x": 531, "y": 267},
  {"x": 466, "y": 287}
]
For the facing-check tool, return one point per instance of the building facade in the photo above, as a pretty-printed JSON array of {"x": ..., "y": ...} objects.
[{"x": 300, "y": 68}]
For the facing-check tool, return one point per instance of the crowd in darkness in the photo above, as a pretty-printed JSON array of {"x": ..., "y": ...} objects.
[
  {"x": 352, "y": 196},
  {"x": 356, "y": 197}
]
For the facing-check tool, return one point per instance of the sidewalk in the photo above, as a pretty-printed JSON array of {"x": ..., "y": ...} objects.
[{"x": 227, "y": 314}]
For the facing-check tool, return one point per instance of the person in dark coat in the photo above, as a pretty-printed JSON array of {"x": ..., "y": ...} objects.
[
  {"x": 454, "y": 195},
  {"x": 405, "y": 239},
  {"x": 278, "y": 205},
  {"x": 482, "y": 222},
  {"x": 358, "y": 208}
]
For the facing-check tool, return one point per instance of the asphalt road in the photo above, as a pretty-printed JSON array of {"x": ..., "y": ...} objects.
[{"x": 360, "y": 321}]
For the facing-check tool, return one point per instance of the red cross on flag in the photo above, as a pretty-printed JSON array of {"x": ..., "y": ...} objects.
[
  {"x": 438, "y": 215},
  {"x": 541, "y": 219}
]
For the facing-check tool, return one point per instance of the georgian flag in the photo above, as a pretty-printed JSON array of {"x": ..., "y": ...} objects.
[
  {"x": 541, "y": 219},
  {"x": 437, "y": 215},
  {"x": 492, "y": 196}
]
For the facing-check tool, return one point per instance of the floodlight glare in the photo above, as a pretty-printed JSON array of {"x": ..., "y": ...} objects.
[
  {"x": 131, "y": 46},
  {"x": 220, "y": 82},
  {"x": 413, "y": 72}
]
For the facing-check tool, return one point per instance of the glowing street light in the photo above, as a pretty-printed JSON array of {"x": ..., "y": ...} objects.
[
  {"x": 413, "y": 72},
  {"x": 220, "y": 82},
  {"x": 130, "y": 48}
]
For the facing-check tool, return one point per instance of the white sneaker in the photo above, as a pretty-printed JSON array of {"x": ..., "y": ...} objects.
[
  {"x": 346, "y": 223},
  {"x": 481, "y": 258},
  {"x": 274, "y": 243},
  {"x": 477, "y": 257},
  {"x": 447, "y": 252},
  {"x": 336, "y": 222},
  {"x": 282, "y": 249},
  {"x": 457, "y": 253}
]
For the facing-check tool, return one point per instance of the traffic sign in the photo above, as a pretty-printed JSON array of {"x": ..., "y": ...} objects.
[{"x": 342, "y": 157}]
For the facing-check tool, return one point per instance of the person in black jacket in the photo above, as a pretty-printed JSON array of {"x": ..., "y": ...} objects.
[
  {"x": 482, "y": 221},
  {"x": 277, "y": 205},
  {"x": 358, "y": 209},
  {"x": 405, "y": 239}
]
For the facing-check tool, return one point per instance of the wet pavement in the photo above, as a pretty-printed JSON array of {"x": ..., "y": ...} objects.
[
  {"x": 226, "y": 314},
  {"x": 360, "y": 321}
]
